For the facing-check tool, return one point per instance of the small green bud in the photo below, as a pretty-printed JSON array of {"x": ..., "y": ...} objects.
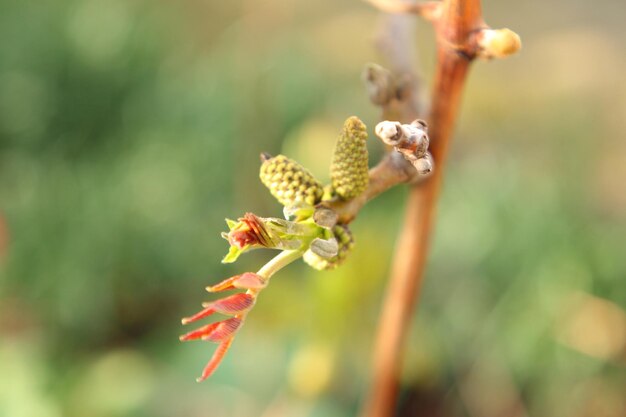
[
  {"x": 289, "y": 181},
  {"x": 252, "y": 231},
  {"x": 345, "y": 242},
  {"x": 349, "y": 170},
  {"x": 325, "y": 217},
  {"x": 325, "y": 248}
]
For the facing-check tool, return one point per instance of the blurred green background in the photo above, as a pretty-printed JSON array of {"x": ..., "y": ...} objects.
[{"x": 129, "y": 129}]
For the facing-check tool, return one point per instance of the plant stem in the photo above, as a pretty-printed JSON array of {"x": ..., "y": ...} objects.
[
  {"x": 459, "y": 18},
  {"x": 391, "y": 171},
  {"x": 279, "y": 262}
]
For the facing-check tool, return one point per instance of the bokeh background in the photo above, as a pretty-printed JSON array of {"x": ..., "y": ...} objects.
[{"x": 129, "y": 129}]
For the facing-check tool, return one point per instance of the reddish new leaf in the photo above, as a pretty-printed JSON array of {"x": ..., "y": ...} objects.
[
  {"x": 216, "y": 359},
  {"x": 247, "y": 281},
  {"x": 202, "y": 314},
  {"x": 232, "y": 305},
  {"x": 199, "y": 333},
  {"x": 214, "y": 332},
  {"x": 224, "y": 330}
]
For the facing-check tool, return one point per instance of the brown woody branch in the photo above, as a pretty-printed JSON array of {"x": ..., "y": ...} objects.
[{"x": 461, "y": 37}]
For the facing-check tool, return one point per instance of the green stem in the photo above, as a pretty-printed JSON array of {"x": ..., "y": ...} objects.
[
  {"x": 279, "y": 262},
  {"x": 274, "y": 265}
]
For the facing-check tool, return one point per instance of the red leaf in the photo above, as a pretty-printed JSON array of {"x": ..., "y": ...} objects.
[
  {"x": 232, "y": 305},
  {"x": 216, "y": 359},
  {"x": 246, "y": 281},
  {"x": 250, "y": 281},
  {"x": 202, "y": 314},
  {"x": 214, "y": 332},
  {"x": 225, "y": 285},
  {"x": 199, "y": 333},
  {"x": 224, "y": 329}
]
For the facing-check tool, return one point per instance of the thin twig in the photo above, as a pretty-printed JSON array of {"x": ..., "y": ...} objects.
[
  {"x": 395, "y": 42},
  {"x": 391, "y": 171},
  {"x": 396, "y": 92}
]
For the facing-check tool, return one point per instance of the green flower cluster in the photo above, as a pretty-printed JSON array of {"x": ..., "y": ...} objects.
[
  {"x": 289, "y": 182},
  {"x": 299, "y": 191},
  {"x": 349, "y": 171},
  {"x": 345, "y": 243}
]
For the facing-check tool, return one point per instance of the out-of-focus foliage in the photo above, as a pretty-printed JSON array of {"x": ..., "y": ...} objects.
[{"x": 130, "y": 129}]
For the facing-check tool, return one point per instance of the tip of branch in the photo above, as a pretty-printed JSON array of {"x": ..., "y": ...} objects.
[
  {"x": 379, "y": 83},
  {"x": 424, "y": 165},
  {"x": 498, "y": 43},
  {"x": 389, "y": 132},
  {"x": 409, "y": 140}
]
